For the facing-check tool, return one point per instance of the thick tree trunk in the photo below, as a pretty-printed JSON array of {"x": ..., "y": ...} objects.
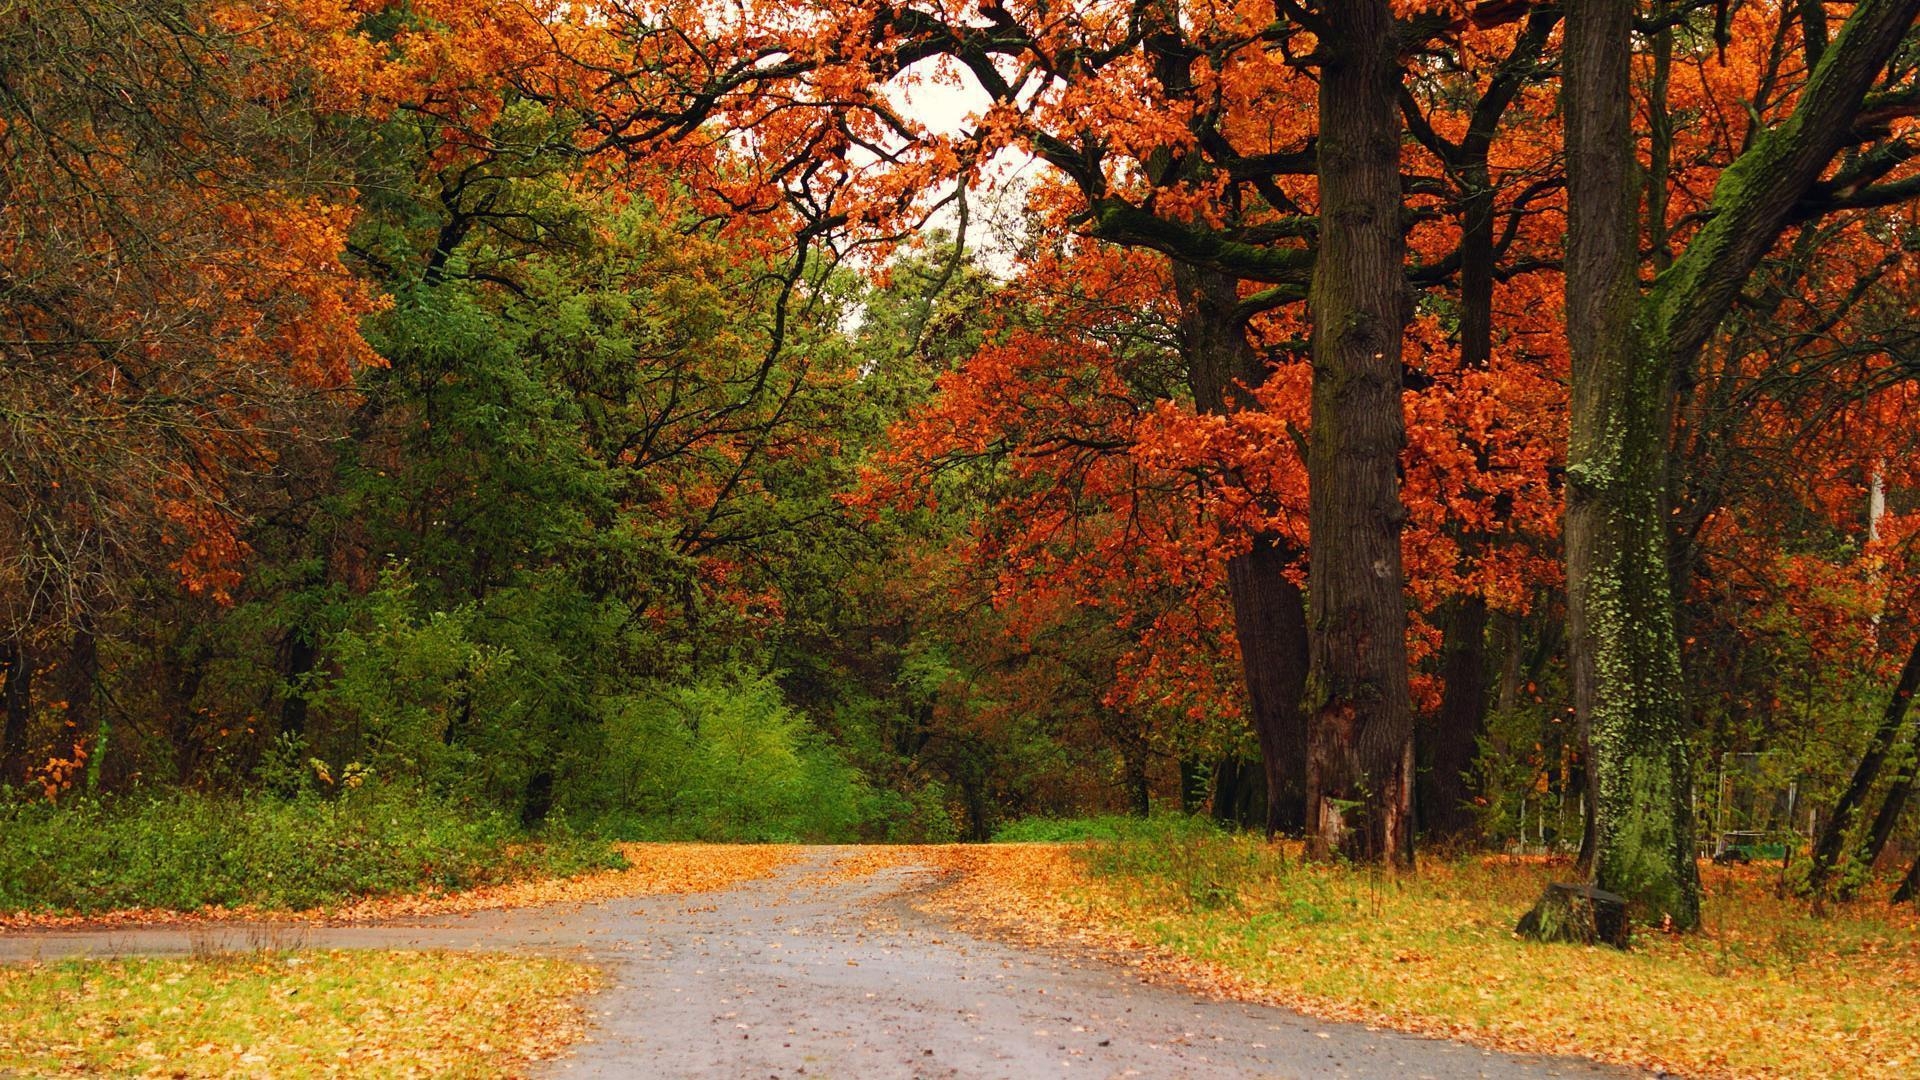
[
  {"x": 1450, "y": 740},
  {"x": 1624, "y": 649},
  {"x": 16, "y": 668},
  {"x": 1846, "y": 810},
  {"x": 1269, "y": 612},
  {"x": 1360, "y": 753}
]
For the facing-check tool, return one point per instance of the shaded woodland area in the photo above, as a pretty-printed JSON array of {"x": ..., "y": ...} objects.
[{"x": 1404, "y": 426}]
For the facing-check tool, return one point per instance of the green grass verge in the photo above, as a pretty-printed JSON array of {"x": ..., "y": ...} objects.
[
  {"x": 182, "y": 851},
  {"x": 289, "y": 1015}
]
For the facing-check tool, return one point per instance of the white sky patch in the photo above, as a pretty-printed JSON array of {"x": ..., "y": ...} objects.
[{"x": 947, "y": 100}]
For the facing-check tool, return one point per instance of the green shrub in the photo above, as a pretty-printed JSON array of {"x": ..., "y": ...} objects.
[
  {"x": 725, "y": 758},
  {"x": 183, "y": 850}
]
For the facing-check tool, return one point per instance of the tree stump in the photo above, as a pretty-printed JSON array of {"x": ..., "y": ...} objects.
[{"x": 1581, "y": 914}]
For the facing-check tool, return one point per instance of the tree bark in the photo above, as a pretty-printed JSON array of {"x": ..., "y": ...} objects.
[
  {"x": 1846, "y": 809},
  {"x": 1193, "y": 786},
  {"x": 1139, "y": 789},
  {"x": 16, "y": 667},
  {"x": 1239, "y": 795},
  {"x": 1269, "y": 612},
  {"x": 1360, "y": 733}
]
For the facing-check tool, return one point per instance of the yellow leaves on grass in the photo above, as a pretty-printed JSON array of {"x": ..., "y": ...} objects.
[
  {"x": 1765, "y": 991},
  {"x": 281, "y": 1014}
]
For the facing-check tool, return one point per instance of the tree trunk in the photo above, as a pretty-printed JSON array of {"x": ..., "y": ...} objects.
[
  {"x": 300, "y": 657},
  {"x": 79, "y": 670},
  {"x": 1239, "y": 794},
  {"x": 1451, "y": 739},
  {"x": 1193, "y": 786},
  {"x": 1360, "y": 733},
  {"x": 1270, "y": 619},
  {"x": 1846, "y": 809},
  {"x": 1139, "y": 789},
  {"x": 1269, "y": 613},
  {"x": 16, "y": 667},
  {"x": 1893, "y": 805},
  {"x": 1624, "y": 650},
  {"x": 1910, "y": 887}
]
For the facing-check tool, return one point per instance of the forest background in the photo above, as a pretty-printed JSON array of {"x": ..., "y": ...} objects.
[{"x": 429, "y": 424}]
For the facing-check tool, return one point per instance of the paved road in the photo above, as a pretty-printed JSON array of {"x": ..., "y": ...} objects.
[{"x": 823, "y": 977}]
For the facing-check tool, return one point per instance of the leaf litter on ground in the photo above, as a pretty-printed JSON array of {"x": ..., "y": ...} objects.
[{"x": 292, "y": 1014}]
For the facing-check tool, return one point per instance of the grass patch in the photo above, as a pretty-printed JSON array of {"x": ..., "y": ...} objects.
[
  {"x": 1764, "y": 990},
  {"x": 1108, "y": 827},
  {"x": 290, "y": 1014},
  {"x": 181, "y": 851}
]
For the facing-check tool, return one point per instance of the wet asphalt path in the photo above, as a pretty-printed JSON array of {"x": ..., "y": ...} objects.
[{"x": 824, "y": 977}]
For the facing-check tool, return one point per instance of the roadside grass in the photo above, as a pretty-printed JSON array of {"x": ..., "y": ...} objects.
[
  {"x": 291, "y": 1014},
  {"x": 1764, "y": 990},
  {"x": 183, "y": 851},
  {"x": 1044, "y": 830}
]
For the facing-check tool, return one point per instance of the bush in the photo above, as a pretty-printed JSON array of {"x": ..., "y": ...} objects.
[
  {"x": 182, "y": 850},
  {"x": 723, "y": 759}
]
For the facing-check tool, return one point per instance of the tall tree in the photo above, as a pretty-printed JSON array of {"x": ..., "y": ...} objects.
[
  {"x": 1627, "y": 348},
  {"x": 1360, "y": 750}
]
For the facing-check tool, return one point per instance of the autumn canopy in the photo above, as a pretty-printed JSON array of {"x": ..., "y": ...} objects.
[{"x": 1391, "y": 424}]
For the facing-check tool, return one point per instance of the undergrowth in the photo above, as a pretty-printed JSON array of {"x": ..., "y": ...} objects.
[{"x": 183, "y": 850}]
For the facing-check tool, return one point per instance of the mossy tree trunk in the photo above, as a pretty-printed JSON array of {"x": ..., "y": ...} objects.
[
  {"x": 1269, "y": 612},
  {"x": 1360, "y": 735},
  {"x": 1626, "y": 348},
  {"x": 1620, "y": 610}
]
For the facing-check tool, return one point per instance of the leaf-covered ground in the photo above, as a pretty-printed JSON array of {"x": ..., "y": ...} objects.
[
  {"x": 1765, "y": 991},
  {"x": 291, "y": 1015},
  {"x": 651, "y": 869}
]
